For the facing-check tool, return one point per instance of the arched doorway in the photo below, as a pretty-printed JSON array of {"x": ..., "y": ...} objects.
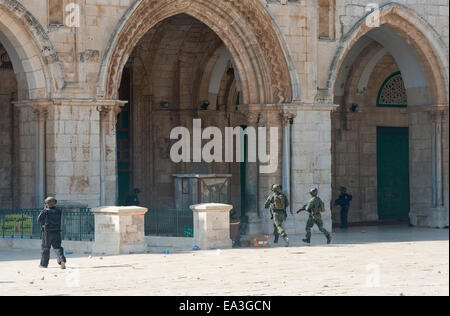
[
  {"x": 30, "y": 74},
  {"x": 209, "y": 64},
  {"x": 8, "y": 94},
  {"x": 388, "y": 133},
  {"x": 179, "y": 71}
]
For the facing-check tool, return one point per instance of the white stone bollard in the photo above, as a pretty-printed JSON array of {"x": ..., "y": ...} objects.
[
  {"x": 212, "y": 226},
  {"x": 119, "y": 230}
]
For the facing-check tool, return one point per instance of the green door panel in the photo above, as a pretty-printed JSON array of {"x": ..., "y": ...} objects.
[{"x": 393, "y": 173}]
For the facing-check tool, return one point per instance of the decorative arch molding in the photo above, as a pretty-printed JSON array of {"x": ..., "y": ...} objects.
[
  {"x": 418, "y": 33},
  {"x": 31, "y": 51},
  {"x": 246, "y": 28}
]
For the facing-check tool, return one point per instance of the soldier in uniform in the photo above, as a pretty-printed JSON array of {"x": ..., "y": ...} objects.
[
  {"x": 344, "y": 202},
  {"x": 315, "y": 207},
  {"x": 278, "y": 202},
  {"x": 50, "y": 219}
]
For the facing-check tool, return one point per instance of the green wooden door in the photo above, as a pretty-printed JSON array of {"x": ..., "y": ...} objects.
[{"x": 393, "y": 173}]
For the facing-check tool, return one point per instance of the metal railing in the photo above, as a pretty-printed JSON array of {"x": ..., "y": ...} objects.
[
  {"x": 77, "y": 224},
  {"x": 169, "y": 223}
]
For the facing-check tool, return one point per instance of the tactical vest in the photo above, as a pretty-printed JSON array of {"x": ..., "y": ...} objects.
[{"x": 279, "y": 202}]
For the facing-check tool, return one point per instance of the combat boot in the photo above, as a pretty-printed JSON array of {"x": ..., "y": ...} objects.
[
  {"x": 63, "y": 265},
  {"x": 329, "y": 239},
  {"x": 275, "y": 241},
  {"x": 307, "y": 240},
  {"x": 286, "y": 240}
]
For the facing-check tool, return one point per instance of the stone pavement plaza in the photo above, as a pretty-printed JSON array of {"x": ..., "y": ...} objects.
[{"x": 362, "y": 261}]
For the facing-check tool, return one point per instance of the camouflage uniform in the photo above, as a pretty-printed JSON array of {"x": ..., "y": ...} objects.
[
  {"x": 278, "y": 215},
  {"x": 315, "y": 218}
]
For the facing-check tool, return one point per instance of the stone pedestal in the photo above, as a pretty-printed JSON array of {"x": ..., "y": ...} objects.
[
  {"x": 212, "y": 226},
  {"x": 119, "y": 230}
]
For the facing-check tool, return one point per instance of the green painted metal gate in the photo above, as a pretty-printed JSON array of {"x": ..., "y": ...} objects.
[{"x": 393, "y": 173}]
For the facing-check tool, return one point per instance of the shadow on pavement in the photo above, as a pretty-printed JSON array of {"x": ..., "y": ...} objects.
[{"x": 347, "y": 238}]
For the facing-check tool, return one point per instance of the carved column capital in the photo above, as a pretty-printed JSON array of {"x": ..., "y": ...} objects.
[
  {"x": 40, "y": 113},
  {"x": 287, "y": 117},
  {"x": 107, "y": 107},
  {"x": 40, "y": 108}
]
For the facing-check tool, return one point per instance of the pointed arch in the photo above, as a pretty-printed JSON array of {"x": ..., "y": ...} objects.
[
  {"x": 410, "y": 30},
  {"x": 255, "y": 44},
  {"x": 33, "y": 56}
]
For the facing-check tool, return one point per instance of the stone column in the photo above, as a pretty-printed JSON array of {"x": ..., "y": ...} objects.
[
  {"x": 429, "y": 165},
  {"x": 212, "y": 226},
  {"x": 119, "y": 230},
  {"x": 288, "y": 121},
  {"x": 259, "y": 183},
  {"x": 108, "y": 152},
  {"x": 439, "y": 115},
  {"x": 41, "y": 115},
  {"x": 253, "y": 211},
  {"x": 32, "y": 148},
  {"x": 436, "y": 157}
]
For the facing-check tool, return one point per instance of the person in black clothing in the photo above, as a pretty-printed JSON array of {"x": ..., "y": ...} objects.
[
  {"x": 344, "y": 202},
  {"x": 50, "y": 219},
  {"x": 133, "y": 199}
]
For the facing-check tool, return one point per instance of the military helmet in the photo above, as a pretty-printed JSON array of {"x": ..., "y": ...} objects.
[
  {"x": 343, "y": 189},
  {"x": 50, "y": 201},
  {"x": 276, "y": 188},
  {"x": 314, "y": 191}
]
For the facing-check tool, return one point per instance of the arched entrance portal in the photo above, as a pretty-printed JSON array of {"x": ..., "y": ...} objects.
[
  {"x": 179, "y": 71},
  {"x": 388, "y": 135},
  {"x": 197, "y": 59},
  {"x": 30, "y": 74}
]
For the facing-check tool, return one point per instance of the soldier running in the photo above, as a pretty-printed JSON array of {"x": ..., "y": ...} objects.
[
  {"x": 50, "y": 218},
  {"x": 278, "y": 202},
  {"x": 315, "y": 207}
]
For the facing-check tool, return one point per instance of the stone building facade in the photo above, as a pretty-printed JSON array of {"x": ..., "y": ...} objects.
[{"x": 90, "y": 90}]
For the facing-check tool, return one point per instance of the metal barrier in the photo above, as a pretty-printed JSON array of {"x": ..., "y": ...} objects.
[
  {"x": 169, "y": 223},
  {"x": 75, "y": 224}
]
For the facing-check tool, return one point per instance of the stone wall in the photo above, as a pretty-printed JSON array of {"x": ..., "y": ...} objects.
[{"x": 283, "y": 53}]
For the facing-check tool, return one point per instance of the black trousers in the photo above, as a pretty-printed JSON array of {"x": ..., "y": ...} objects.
[
  {"x": 51, "y": 239},
  {"x": 344, "y": 217}
]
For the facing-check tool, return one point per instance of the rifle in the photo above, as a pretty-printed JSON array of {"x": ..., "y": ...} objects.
[{"x": 303, "y": 209}]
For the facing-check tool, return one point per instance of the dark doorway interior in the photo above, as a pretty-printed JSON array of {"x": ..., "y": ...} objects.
[{"x": 124, "y": 164}]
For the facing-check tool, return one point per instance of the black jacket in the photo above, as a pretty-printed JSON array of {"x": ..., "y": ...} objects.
[
  {"x": 50, "y": 218},
  {"x": 133, "y": 200},
  {"x": 344, "y": 200}
]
